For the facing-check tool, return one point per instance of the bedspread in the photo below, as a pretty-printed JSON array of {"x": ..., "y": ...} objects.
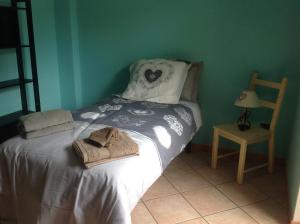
[{"x": 42, "y": 180}]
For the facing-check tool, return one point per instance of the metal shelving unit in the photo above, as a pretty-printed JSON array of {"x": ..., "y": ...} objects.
[{"x": 21, "y": 81}]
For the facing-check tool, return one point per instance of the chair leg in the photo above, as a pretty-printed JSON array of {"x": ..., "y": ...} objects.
[
  {"x": 271, "y": 154},
  {"x": 215, "y": 145},
  {"x": 242, "y": 159}
]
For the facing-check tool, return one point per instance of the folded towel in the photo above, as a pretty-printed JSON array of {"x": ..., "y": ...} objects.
[
  {"x": 49, "y": 130},
  {"x": 105, "y": 145},
  {"x": 88, "y": 152},
  {"x": 91, "y": 164},
  {"x": 103, "y": 136},
  {"x": 40, "y": 120},
  {"x": 122, "y": 145}
]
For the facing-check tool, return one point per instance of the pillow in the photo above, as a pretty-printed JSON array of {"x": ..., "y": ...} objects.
[
  {"x": 156, "y": 80},
  {"x": 190, "y": 88}
]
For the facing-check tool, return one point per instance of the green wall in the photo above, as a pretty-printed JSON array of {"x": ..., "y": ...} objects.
[
  {"x": 84, "y": 49},
  {"x": 293, "y": 162},
  {"x": 233, "y": 38},
  {"x": 46, "y": 53},
  {"x": 68, "y": 53},
  {"x": 64, "y": 53}
]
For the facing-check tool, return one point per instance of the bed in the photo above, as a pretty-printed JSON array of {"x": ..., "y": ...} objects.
[{"x": 42, "y": 180}]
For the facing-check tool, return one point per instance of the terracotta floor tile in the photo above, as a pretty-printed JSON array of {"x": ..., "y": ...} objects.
[
  {"x": 159, "y": 189},
  {"x": 268, "y": 212},
  {"x": 263, "y": 197},
  {"x": 186, "y": 181},
  {"x": 171, "y": 209},
  {"x": 201, "y": 155},
  {"x": 178, "y": 164},
  {"x": 208, "y": 200},
  {"x": 195, "y": 160},
  {"x": 140, "y": 214},
  {"x": 234, "y": 216},
  {"x": 273, "y": 185},
  {"x": 217, "y": 176},
  {"x": 195, "y": 221},
  {"x": 241, "y": 194}
]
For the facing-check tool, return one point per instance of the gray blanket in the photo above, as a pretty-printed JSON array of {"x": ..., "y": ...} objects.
[{"x": 170, "y": 126}]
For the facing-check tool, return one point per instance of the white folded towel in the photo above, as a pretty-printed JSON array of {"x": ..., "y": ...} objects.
[
  {"x": 40, "y": 120},
  {"x": 49, "y": 130}
]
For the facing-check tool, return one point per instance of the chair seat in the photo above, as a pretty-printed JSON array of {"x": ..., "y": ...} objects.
[{"x": 253, "y": 135}]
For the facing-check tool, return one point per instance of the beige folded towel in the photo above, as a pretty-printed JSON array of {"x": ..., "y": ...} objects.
[
  {"x": 91, "y": 164},
  {"x": 103, "y": 136},
  {"x": 49, "y": 130},
  {"x": 105, "y": 145},
  {"x": 41, "y": 120},
  {"x": 88, "y": 152}
]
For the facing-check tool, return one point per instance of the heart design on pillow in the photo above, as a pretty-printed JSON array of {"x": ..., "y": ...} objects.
[{"x": 152, "y": 76}]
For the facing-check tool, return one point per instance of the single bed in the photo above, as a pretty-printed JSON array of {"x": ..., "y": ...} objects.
[{"x": 43, "y": 181}]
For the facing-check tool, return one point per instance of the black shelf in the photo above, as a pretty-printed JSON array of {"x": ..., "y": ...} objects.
[
  {"x": 7, "y": 46},
  {"x": 13, "y": 82},
  {"x": 12, "y": 117},
  {"x": 13, "y": 46}
]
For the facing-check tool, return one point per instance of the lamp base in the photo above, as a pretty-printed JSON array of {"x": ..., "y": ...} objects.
[
  {"x": 243, "y": 122},
  {"x": 244, "y": 127}
]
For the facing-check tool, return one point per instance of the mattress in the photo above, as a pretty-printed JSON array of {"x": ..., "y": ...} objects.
[
  {"x": 42, "y": 180},
  {"x": 195, "y": 108}
]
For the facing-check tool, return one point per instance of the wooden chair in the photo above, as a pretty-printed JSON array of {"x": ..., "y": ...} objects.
[{"x": 255, "y": 134}]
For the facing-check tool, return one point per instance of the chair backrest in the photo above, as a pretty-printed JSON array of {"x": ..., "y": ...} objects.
[{"x": 275, "y": 106}]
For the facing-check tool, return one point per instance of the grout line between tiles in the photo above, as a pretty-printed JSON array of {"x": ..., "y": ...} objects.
[
  {"x": 232, "y": 209},
  {"x": 185, "y": 199},
  {"x": 226, "y": 210},
  {"x": 161, "y": 196},
  {"x": 150, "y": 213},
  {"x": 250, "y": 215},
  {"x": 209, "y": 181},
  {"x": 192, "y": 220}
]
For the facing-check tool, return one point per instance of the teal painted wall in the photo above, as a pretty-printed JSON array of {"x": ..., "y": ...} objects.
[
  {"x": 294, "y": 163},
  {"x": 64, "y": 53},
  {"x": 46, "y": 53},
  {"x": 84, "y": 49},
  {"x": 68, "y": 53},
  {"x": 233, "y": 38}
]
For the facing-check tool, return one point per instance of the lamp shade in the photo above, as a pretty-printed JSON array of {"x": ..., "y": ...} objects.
[{"x": 247, "y": 99}]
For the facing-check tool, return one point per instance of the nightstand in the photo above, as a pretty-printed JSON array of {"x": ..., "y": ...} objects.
[{"x": 253, "y": 135}]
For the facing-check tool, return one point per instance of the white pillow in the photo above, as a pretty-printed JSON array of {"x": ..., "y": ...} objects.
[{"x": 156, "y": 80}]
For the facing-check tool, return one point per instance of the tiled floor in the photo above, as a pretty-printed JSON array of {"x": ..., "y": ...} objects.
[{"x": 190, "y": 192}]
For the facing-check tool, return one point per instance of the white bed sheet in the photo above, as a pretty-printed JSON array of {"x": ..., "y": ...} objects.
[{"x": 41, "y": 182}]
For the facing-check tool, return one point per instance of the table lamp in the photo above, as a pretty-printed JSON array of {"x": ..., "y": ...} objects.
[{"x": 247, "y": 99}]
